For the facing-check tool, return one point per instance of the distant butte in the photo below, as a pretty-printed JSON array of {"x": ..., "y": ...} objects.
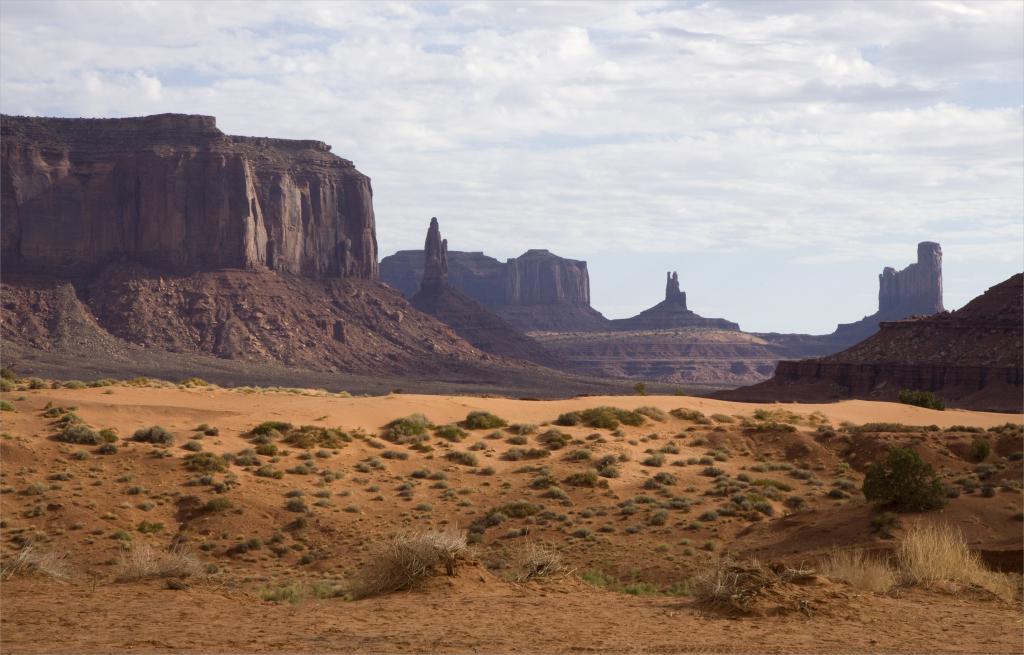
[{"x": 671, "y": 313}]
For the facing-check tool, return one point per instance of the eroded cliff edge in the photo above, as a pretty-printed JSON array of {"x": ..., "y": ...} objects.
[{"x": 173, "y": 192}]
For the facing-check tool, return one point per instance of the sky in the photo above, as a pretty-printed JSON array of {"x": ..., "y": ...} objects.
[{"x": 777, "y": 154}]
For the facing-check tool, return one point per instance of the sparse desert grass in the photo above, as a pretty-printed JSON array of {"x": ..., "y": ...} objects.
[
  {"x": 34, "y": 560},
  {"x": 733, "y": 586},
  {"x": 930, "y": 554},
  {"x": 313, "y": 436},
  {"x": 406, "y": 561},
  {"x": 860, "y": 570},
  {"x": 692, "y": 415},
  {"x": 142, "y": 561},
  {"x": 653, "y": 413}
]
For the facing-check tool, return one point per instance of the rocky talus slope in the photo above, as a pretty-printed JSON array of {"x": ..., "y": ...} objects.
[{"x": 971, "y": 357}]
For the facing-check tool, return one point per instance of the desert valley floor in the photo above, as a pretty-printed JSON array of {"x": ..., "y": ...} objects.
[{"x": 629, "y": 516}]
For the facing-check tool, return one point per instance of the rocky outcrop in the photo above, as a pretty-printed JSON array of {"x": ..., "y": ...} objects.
[
  {"x": 174, "y": 193},
  {"x": 971, "y": 358},
  {"x": 469, "y": 319},
  {"x": 671, "y": 313},
  {"x": 917, "y": 289},
  {"x": 537, "y": 291}
]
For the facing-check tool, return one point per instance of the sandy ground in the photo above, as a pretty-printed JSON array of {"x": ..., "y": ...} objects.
[{"x": 70, "y": 499}]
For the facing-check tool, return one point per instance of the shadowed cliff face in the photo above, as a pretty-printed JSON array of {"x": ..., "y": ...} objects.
[{"x": 175, "y": 193}]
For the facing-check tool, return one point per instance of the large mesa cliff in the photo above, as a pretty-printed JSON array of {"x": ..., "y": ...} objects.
[
  {"x": 173, "y": 192},
  {"x": 536, "y": 291}
]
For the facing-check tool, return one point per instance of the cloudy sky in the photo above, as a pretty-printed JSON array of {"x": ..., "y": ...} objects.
[{"x": 776, "y": 154}]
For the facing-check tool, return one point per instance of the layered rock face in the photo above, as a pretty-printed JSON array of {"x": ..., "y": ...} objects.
[
  {"x": 971, "y": 358},
  {"x": 174, "y": 193},
  {"x": 469, "y": 319},
  {"x": 671, "y": 313},
  {"x": 537, "y": 291}
]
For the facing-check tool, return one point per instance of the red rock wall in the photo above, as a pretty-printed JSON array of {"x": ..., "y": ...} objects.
[{"x": 173, "y": 192}]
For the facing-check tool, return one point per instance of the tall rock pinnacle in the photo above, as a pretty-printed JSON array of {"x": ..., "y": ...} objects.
[
  {"x": 435, "y": 263},
  {"x": 672, "y": 292}
]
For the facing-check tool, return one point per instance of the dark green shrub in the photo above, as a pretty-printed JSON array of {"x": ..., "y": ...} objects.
[
  {"x": 904, "y": 482},
  {"x": 479, "y": 420},
  {"x": 79, "y": 433},
  {"x": 979, "y": 450},
  {"x": 601, "y": 417},
  {"x": 409, "y": 426},
  {"x": 925, "y": 399},
  {"x": 154, "y": 434},
  {"x": 268, "y": 427}
]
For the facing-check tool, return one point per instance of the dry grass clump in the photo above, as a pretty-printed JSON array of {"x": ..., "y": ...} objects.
[
  {"x": 33, "y": 560},
  {"x": 142, "y": 561},
  {"x": 738, "y": 587},
  {"x": 931, "y": 554},
  {"x": 859, "y": 570},
  {"x": 533, "y": 560},
  {"x": 406, "y": 561}
]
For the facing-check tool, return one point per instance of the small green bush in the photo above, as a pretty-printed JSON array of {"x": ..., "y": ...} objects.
[
  {"x": 205, "y": 462},
  {"x": 79, "y": 433},
  {"x": 409, "y": 426},
  {"x": 479, "y": 420},
  {"x": 459, "y": 457},
  {"x": 979, "y": 450},
  {"x": 154, "y": 434},
  {"x": 925, "y": 399},
  {"x": 905, "y": 482},
  {"x": 601, "y": 417},
  {"x": 6, "y": 406},
  {"x": 584, "y": 479},
  {"x": 451, "y": 432},
  {"x": 554, "y": 439}
]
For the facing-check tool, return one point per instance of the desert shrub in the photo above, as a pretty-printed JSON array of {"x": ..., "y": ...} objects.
[
  {"x": 268, "y": 471},
  {"x": 6, "y": 406},
  {"x": 7, "y": 373},
  {"x": 479, "y": 420},
  {"x": 692, "y": 415},
  {"x": 153, "y": 434},
  {"x": 795, "y": 503},
  {"x": 409, "y": 426},
  {"x": 905, "y": 482},
  {"x": 142, "y": 561},
  {"x": 578, "y": 456},
  {"x": 665, "y": 478},
  {"x": 80, "y": 434},
  {"x": 464, "y": 458},
  {"x": 519, "y": 509},
  {"x": 655, "y": 459},
  {"x": 601, "y": 417},
  {"x": 859, "y": 570},
  {"x": 216, "y": 505},
  {"x": 266, "y": 449},
  {"x": 268, "y": 427},
  {"x": 36, "y": 383},
  {"x": 653, "y": 413},
  {"x": 554, "y": 439},
  {"x": 192, "y": 446},
  {"x": 979, "y": 450},
  {"x": 609, "y": 471},
  {"x": 6, "y": 385},
  {"x": 107, "y": 449},
  {"x": 583, "y": 479},
  {"x": 925, "y": 399},
  {"x": 932, "y": 554},
  {"x": 205, "y": 462},
  {"x": 35, "y": 560},
  {"x": 532, "y": 560},
  {"x": 313, "y": 436},
  {"x": 734, "y": 586},
  {"x": 451, "y": 432},
  {"x": 884, "y": 523},
  {"x": 406, "y": 561},
  {"x": 640, "y": 389},
  {"x": 722, "y": 418},
  {"x": 516, "y": 454},
  {"x": 523, "y": 428}
]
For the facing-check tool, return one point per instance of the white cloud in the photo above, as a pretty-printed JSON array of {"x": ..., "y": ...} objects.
[{"x": 836, "y": 128}]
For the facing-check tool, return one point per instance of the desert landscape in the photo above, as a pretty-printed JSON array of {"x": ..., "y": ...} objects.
[
  {"x": 146, "y": 515},
  {"x": 252, "y": 402}
]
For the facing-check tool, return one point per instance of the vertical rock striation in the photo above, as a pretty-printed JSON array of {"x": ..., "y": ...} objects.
[
  {"x": 174, "y": 193},
  {"x": 917, "y": 289}
]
